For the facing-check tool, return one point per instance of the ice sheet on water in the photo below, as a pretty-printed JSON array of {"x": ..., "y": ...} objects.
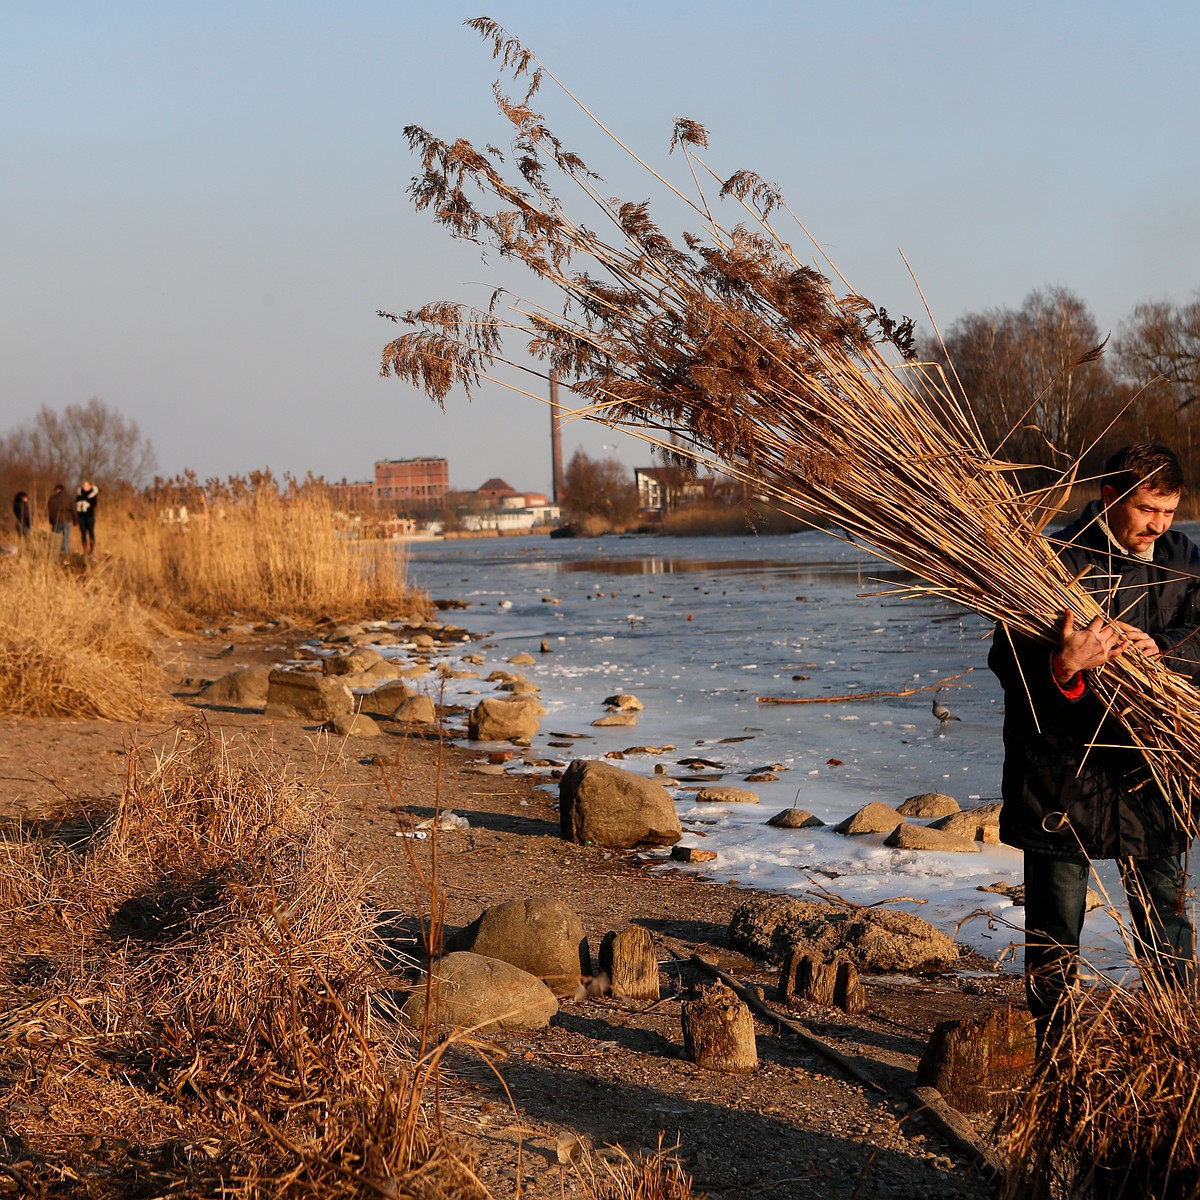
[{"x": 805, "y": 606}]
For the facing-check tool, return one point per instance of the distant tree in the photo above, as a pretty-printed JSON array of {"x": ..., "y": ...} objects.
[
  {"x": 1035, "y": 378},
  {"x": 85, "y": 441},
  {"x": 1160, "y": 344},
  {"x": 599, "y": 488}
]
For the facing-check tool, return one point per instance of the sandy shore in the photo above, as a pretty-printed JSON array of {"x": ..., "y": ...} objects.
[{"x": 605, "y": 1071}]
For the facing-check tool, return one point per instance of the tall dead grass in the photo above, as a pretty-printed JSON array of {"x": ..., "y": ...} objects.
[
  {"x": 193, "y": 1003},
  {"x": 257, "y": 549},
  {"x": 1116, "y": 1111},
  {"x": 71, "y": 644}
]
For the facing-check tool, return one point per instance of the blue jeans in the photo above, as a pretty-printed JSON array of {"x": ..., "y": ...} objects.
[
  {"x": 1055, "y": 897},
  {"x": 64, "y": 527}
]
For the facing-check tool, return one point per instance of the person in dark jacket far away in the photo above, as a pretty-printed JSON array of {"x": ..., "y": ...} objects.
[
  {"x": 85, "y": 515},
  {"x": 22, "y": 515},
  {"x": 62, "y": 515},
  {"x": 1074, "y": 787}
]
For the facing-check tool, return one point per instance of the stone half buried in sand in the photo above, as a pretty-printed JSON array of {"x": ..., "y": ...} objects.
[
  {"x": 872, "y": 939},
  {"x": 603, "y": 805},
  {"x": 473, "y": 990},
  {"x": 353, "y": 725},
  {"x": 540, "y": 935},
  {"x": 307, "y": 697},
  {"x": 496, "y": 720},
  {"x": 245, "y": 688}
]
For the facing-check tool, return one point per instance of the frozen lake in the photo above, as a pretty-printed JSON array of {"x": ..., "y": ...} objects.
[{"x": 698, "y": 629}]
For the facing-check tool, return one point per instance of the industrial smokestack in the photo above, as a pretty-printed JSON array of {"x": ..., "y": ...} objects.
[{"x": 556, "y": 467}]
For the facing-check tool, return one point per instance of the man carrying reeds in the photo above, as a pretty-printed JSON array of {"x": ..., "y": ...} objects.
[{"x": 1074, "y": 787}]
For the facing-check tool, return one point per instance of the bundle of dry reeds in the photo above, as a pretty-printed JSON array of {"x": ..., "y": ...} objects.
[{"x": 724, "y": 349}]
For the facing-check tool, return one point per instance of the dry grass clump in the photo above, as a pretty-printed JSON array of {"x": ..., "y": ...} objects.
[
  {"x": 1117, "y": 1111},
  {"x": 70, "y": 644},
  {"x": 256, "y": 548},
  {"x": 193, "y": 1003},
  {"x": 714, "y": 520}
]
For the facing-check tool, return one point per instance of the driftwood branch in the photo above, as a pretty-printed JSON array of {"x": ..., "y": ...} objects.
[
  {"x": 957, "y": 1130},
  {"x": 930, "y": 687}
]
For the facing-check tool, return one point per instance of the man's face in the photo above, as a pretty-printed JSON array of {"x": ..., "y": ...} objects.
[{"x": 1140, "y": 517}]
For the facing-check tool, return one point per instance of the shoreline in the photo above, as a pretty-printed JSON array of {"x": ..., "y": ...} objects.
[{"x": 604, "y": 1071}]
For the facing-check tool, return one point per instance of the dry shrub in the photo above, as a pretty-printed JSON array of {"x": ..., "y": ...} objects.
[
  {"x": 657, "y": 1175},
  {"x": 70, "y": 643},
  {"x": 259, "y": 550},
  {"x": 1116, "y": 1111},
  {"x": 727, "y": 520},
  {"x": 193, "y": 1003}
]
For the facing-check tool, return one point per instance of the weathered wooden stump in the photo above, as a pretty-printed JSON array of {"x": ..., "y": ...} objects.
[
  {"x": 848, "y": 994},
  {"x": 975, "y": 1063},
  {"x": 803, "y": 976},
  {"x": 629, "y": 960},
  {"x": 718, "y": 1032}
]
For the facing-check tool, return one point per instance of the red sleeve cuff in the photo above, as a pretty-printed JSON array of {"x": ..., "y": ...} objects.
[{"x": 1073, "y": 688}]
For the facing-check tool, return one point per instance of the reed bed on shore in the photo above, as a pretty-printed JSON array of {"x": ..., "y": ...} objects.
[
  {"x": 260, "y": 551},
  {"x": 192, "y": 1001},
  {"x": 70, "y": 643}
]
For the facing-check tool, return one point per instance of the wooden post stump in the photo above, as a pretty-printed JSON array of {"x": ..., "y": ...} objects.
[
  {"x": 975, "y": 1063},
  {"x": 848, "y": 994},
  {"x": 629, "y": 960},
  {"x": 718, "y": 1032}
]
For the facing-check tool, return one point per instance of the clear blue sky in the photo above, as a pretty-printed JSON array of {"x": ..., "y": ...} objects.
[{"x": 203, "y": 203}]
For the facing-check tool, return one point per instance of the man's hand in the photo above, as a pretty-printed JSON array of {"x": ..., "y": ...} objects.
[
  {"x": 1097, "y": 643},
  {"x": 1138, "y": 640}
]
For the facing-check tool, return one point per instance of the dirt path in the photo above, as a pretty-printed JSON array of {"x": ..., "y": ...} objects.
[{"x": 605, "y": 1071}]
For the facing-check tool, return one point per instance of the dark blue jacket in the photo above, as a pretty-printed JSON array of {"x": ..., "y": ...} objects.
[{"x": 1068, "y": 756}]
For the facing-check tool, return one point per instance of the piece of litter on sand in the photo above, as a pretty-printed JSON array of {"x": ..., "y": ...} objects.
[{"x": 408, "y": 833}]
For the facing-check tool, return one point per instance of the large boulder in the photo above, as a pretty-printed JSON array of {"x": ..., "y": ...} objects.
[
  {"x": 309, "y": 697},
  {"x": 603, "y": 805},
  {"x": 383, "y": 701},
  {"x": 477, "y": 991},
  {"x": 871, "y": 818},
  {"x": 872, "y": 939},
  {"x": 496, "y": 720},
  {"x": 921, "y": 837},
  {"x": 540, "y": 935},
  {"x": 982, "y": 824},
  {"x": 245, "y": 688},
  {"x": 928, "y": 804}
]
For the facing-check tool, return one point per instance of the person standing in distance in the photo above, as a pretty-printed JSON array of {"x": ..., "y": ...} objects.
[
  {"x": 1074, "y": 787},
  {"x": 21, "y": 515},
  {"x": 85, "y": 515},
  {"x": 62, "y": 515}
]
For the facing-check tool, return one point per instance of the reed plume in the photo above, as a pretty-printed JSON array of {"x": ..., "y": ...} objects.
[{"x": 722, "y": 349}]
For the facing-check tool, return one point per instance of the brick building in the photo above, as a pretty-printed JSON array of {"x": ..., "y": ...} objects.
[{"x": 418, "y": 484}]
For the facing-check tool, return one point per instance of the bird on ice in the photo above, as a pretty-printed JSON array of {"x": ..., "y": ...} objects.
[{"x": 943, "y": 714}]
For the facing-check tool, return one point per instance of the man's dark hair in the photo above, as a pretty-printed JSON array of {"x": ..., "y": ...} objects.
[{"x": 1149, "y": 464}]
